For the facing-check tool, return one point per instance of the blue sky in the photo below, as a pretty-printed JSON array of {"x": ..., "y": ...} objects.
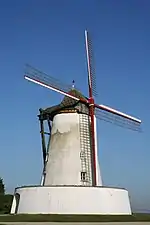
[{"x": 50, "y": 35}]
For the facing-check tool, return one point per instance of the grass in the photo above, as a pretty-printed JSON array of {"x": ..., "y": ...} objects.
[{"x": 73, "y": 218}]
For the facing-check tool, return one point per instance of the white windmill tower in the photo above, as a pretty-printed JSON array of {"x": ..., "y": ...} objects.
[{"x": 71, "y": 180}]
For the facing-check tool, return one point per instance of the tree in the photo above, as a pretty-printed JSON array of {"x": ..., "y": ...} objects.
[
  {"x": 5, "y": 199},
  {"x": 2, "y": 187},
  {"x": 7, "y": 203}
]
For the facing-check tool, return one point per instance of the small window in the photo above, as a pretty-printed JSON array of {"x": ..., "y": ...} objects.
[{"x": 83, "y": 176}]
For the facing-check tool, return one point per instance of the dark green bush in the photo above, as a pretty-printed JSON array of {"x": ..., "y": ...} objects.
[{"x": 5, "y": 203}]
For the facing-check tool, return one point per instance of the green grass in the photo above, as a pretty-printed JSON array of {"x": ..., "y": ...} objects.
[{"x": 73, "y": 218}]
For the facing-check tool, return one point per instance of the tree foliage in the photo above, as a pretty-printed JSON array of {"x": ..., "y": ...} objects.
[
  {"x": 5, "y": 199},
  {"x": 2, "y": 187}
]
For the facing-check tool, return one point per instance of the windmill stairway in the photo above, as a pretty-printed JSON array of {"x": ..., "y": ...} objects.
[{"x": 85, "y": 150}]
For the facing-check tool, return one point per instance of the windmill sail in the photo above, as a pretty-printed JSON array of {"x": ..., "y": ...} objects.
[
  {"x": 102, "y": 112},
  {"x": 116, "y": 117},
  {"x": 90, "y": 66},
  {"x": 36, "y": 76}
]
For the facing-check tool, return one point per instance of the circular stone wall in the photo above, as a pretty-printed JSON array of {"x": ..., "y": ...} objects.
[{"x": 71, "y": 200}]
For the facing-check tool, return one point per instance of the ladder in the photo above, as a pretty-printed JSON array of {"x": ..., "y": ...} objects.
[{"x": 85, "y": 150}]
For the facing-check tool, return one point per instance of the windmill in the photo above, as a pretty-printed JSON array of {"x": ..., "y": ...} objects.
[
  {"x": 100, "y": 111},
  {"x": 77, "y": 115}
]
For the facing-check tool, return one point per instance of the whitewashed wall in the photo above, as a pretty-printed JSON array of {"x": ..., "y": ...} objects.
[
  {"x": 64, "y": 164},
  {"x": 72, "y": 200}
]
